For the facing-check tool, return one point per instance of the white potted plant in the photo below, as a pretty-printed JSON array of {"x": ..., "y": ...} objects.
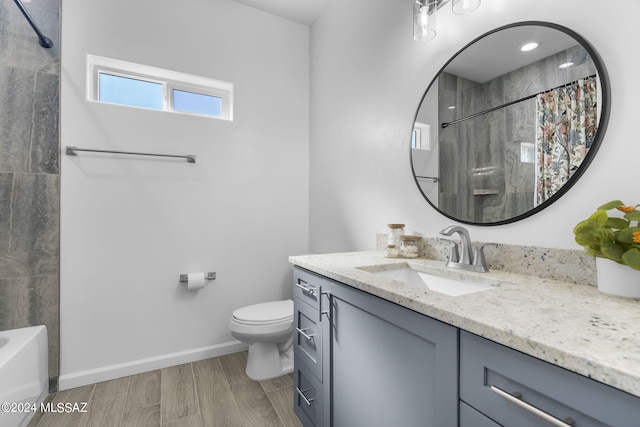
[{"x": 615, "y": 242}]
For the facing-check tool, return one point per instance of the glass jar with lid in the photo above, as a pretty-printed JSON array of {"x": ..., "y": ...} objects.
[
  {"x": 393, "y": 234},
  {"x": 391, "y": 251},
  {"x": 409, "y": 246}
]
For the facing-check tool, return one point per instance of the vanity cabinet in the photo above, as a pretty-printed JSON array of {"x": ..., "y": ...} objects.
[
  {"x": 379, "y": 364},
  {"x": 514, "y": 389},
  {"x": 363, "y": 361}
]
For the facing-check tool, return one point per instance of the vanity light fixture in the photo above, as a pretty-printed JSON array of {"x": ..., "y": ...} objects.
[
  {"x": 460, "y": 7},
  {"x": 424, "y": 15},
  {"x": 565, "y": 65},
  {"x": 528, "y": 47},
  {"x": 424, "y": 19}
]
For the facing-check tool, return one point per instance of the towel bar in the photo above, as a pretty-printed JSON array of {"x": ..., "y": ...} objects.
[{"x": 71, "y": 151}]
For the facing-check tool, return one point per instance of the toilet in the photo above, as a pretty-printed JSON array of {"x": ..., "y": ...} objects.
[{"x": 268, "y": 329}]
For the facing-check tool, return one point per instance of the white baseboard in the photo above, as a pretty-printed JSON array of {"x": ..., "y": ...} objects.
[{"x": 106, "y": 373}]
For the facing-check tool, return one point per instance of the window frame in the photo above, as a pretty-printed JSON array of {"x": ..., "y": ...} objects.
[
  {"x": 169, "y": 80},
  {"x": 421, "y": 137}
]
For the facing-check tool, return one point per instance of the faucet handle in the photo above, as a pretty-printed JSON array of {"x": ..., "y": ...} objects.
[
  {"x": 478, "y": 255},
  {"x": 454, "y": 256}
]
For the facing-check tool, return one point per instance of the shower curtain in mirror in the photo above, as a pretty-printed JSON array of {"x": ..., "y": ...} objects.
[{"x": 566, "y": 126}]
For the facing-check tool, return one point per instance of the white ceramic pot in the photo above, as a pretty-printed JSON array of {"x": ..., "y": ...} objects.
[{"x": 617, "y": 279}]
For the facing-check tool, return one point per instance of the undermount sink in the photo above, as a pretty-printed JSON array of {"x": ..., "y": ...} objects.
[{"x": 443, "y": 285}]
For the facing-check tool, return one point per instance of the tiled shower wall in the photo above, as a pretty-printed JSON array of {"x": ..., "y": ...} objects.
[{"x": 29, "y": 175}]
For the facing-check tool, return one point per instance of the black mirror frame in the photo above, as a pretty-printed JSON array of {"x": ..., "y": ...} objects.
[{"x": 602, "y": 125}]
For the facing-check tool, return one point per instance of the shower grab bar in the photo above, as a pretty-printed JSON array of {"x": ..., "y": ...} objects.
[
  {"x": 42, "y": 39},
  {"x": 71, "y": 151}
]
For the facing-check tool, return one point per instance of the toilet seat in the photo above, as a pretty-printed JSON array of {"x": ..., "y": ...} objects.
[
  {"x": 268, "y": 330},
  {"x": 268, "y": 313}
]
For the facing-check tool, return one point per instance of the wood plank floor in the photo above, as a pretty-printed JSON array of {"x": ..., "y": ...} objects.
[{"x": 209, "y": 393}]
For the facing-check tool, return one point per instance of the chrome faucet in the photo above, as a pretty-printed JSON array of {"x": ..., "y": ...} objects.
[
  {"x": 464, "y": 239},
  {"x": 467, "y": 253}
]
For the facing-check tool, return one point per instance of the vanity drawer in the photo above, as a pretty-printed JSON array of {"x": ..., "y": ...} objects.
[
  {"x": 307, "y": 337},
  {"x": 517, "y": 390},
  {"x": 308, "y": 287},
  {"x": 469, "y": 417},
  {"x": 308, "y": 396}
]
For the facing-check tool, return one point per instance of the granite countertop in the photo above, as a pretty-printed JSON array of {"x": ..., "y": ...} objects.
[{"x": 569, "y": 325}]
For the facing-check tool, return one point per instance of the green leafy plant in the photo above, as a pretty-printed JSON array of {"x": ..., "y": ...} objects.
[{"x": 614, "y": 237}]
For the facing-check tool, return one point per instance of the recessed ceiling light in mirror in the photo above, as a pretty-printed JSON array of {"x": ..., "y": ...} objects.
[
  {"x": 528, "y": 47},
  {"x": 565, "y": 65}
]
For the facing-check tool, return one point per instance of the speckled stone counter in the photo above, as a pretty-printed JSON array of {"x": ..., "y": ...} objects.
[{"x": 570, "y": 325}]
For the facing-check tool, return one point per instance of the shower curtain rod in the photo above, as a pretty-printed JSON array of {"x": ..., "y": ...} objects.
[
  {"x": 44, "y": 40},
  {"x": 472, "y": 116}
]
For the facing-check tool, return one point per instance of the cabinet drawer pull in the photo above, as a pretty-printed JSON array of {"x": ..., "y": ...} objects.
[
  {"x": 304, "y": 334},
  {"x": 307, "y": 401},
  {"x": 514, "y": 398},
  {"x": 306, "y": 288}
]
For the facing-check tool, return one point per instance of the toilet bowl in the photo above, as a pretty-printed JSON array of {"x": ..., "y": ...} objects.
[{"x": 268, "y": 329}]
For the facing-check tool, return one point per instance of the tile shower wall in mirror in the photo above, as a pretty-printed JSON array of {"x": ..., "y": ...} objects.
[
  {"x": 497, "y": 156},
  {"x": 29, "y": 176}
]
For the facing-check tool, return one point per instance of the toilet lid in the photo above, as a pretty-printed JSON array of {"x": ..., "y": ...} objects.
[{"x": 268, "y": 312}]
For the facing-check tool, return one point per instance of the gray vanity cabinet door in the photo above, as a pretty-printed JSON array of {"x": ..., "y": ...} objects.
[
  {"x": 517, "y": 390},
  {"x": 390, "y": 366}
]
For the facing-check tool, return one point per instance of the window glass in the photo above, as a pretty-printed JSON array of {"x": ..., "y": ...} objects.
[
  {"x": 198, "y": 103},
  {"x": 137, "y": 85},
  {"x": 128, "y": 91}
]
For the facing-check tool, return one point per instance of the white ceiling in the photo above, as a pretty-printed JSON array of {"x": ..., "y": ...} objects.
[
  {"x": 499, "y": 53},
  {"x": 302, "y": 11}
]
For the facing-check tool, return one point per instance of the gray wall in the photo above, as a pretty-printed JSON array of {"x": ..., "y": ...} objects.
[{"x": 29, "y": 177}]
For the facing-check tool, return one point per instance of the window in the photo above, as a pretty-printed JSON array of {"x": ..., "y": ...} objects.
[
  {"x": 527, "y": 152},
  {"x": 125, "y": 83},
  {"x": 420, "y": 137}
]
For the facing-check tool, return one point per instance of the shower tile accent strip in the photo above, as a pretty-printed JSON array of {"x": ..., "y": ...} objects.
[{"x": 565, "y": 265}]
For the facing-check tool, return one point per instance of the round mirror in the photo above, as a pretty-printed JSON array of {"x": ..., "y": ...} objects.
[{"x": 509, "y": 123}]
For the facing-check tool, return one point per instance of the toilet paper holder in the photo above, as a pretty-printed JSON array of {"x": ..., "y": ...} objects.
[{"x": 209, "y": 276}]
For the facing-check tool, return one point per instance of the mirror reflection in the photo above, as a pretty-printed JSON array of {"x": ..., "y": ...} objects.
[{"x": 508, "y": 124}]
